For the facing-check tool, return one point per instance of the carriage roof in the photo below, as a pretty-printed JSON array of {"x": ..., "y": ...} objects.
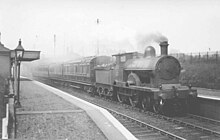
[{"x": 87, "y": 60}]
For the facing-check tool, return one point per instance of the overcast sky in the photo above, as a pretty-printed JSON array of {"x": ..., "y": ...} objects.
[{"x": 190, "y": 26}]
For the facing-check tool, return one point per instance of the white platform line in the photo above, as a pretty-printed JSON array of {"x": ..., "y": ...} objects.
[{"x": 209, "y": 97}]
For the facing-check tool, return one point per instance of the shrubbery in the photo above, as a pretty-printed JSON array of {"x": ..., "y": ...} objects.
[{"x": 205, "y": 75}]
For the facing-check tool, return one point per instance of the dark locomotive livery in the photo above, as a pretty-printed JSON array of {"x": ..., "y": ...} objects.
[{"x": 144, "y": 80}]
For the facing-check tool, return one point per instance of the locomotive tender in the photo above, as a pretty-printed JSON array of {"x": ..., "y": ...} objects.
[{"x": 145, "y": 80}]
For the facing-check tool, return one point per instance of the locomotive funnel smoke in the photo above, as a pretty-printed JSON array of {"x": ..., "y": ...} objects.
[{"x": 144, "y": 40}]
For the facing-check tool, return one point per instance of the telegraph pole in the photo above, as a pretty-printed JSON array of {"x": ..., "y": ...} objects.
[
  {"x": 97, "y": 36},
  {"x": 54, "y": 44},
  {"x": 64, "y": 43}
]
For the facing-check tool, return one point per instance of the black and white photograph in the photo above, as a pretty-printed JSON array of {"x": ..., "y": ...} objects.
[{"x": 110, "y": 69}]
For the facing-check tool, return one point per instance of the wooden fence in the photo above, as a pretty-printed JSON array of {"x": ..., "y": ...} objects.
[{"x": 206, "y": 57}]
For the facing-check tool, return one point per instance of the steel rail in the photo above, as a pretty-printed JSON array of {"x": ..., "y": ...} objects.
[
  {"x": 143, "y": 124},
  {"x": 203, "y": 129},
  {"x": 204, "y": 119}
]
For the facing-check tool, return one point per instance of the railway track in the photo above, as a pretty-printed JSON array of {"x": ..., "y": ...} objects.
[
  {"x": 204, "y": 119},
  {"x": 204, "y": 124},
  {"x": 171, "y": 128},
  {"x": 142, "y": 130},
  {"x": 208, "y": 128}
]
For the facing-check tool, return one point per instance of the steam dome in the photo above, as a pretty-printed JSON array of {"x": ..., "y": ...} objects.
[{"x": 149, "y": 52}]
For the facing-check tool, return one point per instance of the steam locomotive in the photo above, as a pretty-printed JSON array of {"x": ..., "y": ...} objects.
[{"x": 144, "y": 80}]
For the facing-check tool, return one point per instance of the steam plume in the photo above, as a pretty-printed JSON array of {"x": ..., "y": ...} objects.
[{"x": 144, "y": 40}]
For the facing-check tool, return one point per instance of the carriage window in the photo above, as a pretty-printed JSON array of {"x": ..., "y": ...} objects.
[
  {"x": 55, "y": 70},
  {"x": 117, "y": 59},
  {"x": 77, "y": 69},
  {"x": 51, "y": 69},
  {"x": 71, "y": 69},
  {"x": 123, "y": 58},
  {"x": 68, "y": 69},
  {"x": 84, "y": 69},
  {"x": 58, "y": 70},
  {"x": 64, "y": 69},
  {"x": 87, "y": 69},
  {"x": 74, "y": 69},
  {"x": 80, "y": 69}
]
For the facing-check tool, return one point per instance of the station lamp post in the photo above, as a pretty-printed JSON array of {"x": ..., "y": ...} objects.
[{"x": 19, "y": 53}]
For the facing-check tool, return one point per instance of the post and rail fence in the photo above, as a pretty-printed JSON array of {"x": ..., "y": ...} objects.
[
  {"x": 200, "y": 69},
  {"x": 204, "y": 57}
]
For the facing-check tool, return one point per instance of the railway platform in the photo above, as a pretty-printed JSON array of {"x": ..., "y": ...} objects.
[
  {"x": 208, "y": 104},
  {"x": 208, "y": 93},
  {"x": 48, "y": 113}
]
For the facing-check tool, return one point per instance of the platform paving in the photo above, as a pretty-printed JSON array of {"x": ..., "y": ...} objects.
[
  {"x": 49, "y": 113},
  {"x": 44, "y": 115}
]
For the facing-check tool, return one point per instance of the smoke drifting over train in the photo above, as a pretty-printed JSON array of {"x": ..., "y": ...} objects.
[{"x": 154, "y": 39}]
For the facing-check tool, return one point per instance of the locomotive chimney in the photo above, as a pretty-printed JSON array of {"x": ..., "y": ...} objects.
[{"x": 163, "y": 48}]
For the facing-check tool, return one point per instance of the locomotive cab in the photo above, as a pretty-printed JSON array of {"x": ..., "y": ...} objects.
[{"x": 121, "y": 60}]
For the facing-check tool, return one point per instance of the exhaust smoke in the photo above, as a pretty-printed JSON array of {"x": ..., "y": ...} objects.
[{"x": 144, "y": 40}]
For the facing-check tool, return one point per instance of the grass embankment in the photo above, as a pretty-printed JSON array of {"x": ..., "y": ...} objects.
[{"x": 205, "y": 75}]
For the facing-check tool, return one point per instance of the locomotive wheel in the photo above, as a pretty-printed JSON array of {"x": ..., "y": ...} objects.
[
  {"x": 146, "y": 103},
  {"x": 85, "y": 88},
  {"x": 158, "y": 105},
  {"x": 97, "y": 91},
  {"x": 111, "y": 96},
  {"x": 110, "y": 93},
  {"x": 105, "y": 93},
  {"x": 100, "y": 91},
  {"x": 65, "y": 85},
  {"x": 120, "y": 98},
  {"x": 90, "y": 90},
  {"x": 133, "y": 101}
]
